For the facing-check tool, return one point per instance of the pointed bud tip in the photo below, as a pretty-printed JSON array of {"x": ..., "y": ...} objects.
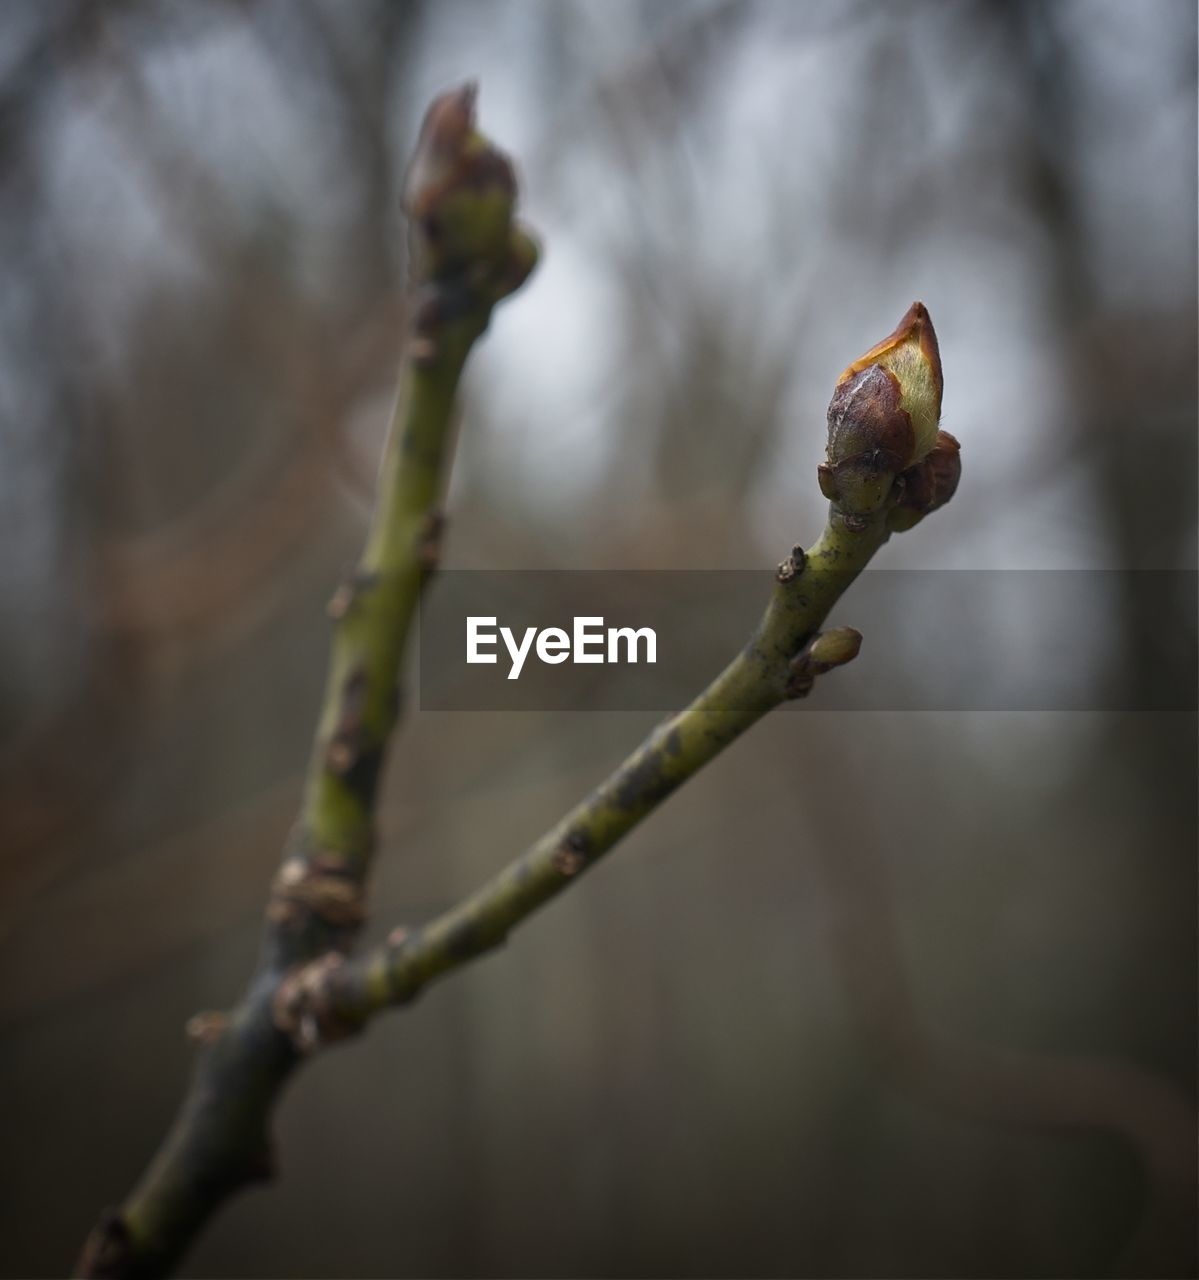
[
  {"x": 450, "y": 152},
  {"x": 910, "y": 353},
  {"x": 915, "y": 329},
  {"x": 450, "y": 116}
]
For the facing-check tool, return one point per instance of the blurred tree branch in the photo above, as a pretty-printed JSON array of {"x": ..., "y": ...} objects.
[{"x": 468, "y": 255}]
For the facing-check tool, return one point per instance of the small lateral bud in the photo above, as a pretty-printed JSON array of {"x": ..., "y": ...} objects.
[
  {"x": 884, "y": 414},
  {"x": 833, "y": 649},
  {"x": 523, "y": 255},
  {"x": 445, "y": 135},
  {"x": 929, "y": 484},
  {"x": 820, "y": 655}
]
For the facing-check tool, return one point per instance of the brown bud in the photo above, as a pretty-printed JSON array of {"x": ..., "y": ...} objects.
[
  {"x": 870, "y": 438},
  {"x": 441, "y": 150},
  {"x": 460, "y": 192},
  {"x": 883, "y": 415},
  {"x": 929, "y": 484}
]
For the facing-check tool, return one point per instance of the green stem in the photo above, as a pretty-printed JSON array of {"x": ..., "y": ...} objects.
[
  {"x": 374, "y": 612},
  {"x": 469, "y": 255},
  {"x": 219, "y": 1141},
  {"x": 752, "y": 684}
]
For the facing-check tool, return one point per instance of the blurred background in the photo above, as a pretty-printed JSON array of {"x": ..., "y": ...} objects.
[{"x": 880, "y": 993}]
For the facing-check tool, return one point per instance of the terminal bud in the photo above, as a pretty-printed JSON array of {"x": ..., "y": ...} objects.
[
  {"x": 883, "y": 416},
  {"x": 460, "y": 192}
]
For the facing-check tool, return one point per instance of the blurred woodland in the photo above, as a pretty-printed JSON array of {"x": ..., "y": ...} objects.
[{"x": 876, "y": 994}]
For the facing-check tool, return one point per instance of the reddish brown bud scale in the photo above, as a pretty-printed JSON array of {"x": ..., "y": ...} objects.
[
  {"x": 946, "y": 463},
  {"x": 934, "y": 481},
  {"x": 865, "y": 420},
  {"x": 442, "y": 145},
  {"x": 928, "y": 485},
  {"x": 449, "y": 121}
]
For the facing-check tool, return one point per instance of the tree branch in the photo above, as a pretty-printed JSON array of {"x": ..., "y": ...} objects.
[
  {"x": 467, "y": 254},
  {"x": 329, "y": 998},
  {"x": 887, "y": 467}
]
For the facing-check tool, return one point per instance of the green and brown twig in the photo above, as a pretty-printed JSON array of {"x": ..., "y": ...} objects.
[
  {"x": 467, "y": 254},
  {"x": 887, "y": 467}
]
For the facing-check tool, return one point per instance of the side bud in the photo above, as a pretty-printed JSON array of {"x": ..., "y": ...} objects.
[
  {"x": 833, "y": 649},
  {"x": 883, "y": 416},
  {"x": 823, "y": 653},
  {"x": 928, "y": 485}
]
